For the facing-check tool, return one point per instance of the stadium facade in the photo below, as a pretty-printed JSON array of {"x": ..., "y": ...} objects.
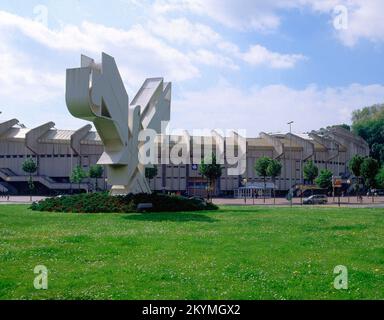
[{"x": 57, "y": 152}]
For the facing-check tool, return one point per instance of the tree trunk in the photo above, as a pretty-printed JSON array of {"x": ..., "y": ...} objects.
[
  {"x": 274, "y": 191},
  {"x": 265, "y": 187},
  {"x": 30, "y": 187},
  {"x": 212, "y": 188},
  {"x": 357, "y": 189},
  {"x": 208, "y": 182}
]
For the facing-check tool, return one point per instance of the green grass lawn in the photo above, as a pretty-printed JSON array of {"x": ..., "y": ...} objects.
[{"x": 234, "y": 253}]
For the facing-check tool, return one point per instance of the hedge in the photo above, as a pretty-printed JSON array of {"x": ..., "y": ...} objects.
[{"x": 105, "y": 203}]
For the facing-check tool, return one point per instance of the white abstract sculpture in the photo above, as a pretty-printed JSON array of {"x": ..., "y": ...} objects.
[{"x": 95, "y": 92}]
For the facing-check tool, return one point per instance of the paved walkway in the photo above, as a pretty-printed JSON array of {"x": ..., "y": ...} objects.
[
  {"x": 19, "y": 199},
  {"x": 367, "y": 201}
]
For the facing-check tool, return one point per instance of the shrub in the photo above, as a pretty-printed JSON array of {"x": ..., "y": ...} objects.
[
  {"x": 324, "y": 180},
  {"x": 103, "y": 202}
]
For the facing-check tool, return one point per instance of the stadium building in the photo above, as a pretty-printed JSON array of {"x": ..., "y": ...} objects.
[{"x": 57, "y": 152}]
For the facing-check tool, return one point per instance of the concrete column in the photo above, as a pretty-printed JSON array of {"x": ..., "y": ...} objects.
[
  {"x": 308, "y": 151},
  {"x": 32, "y": 140},
  {"x": 5, "y": 126},
  {"x": 276, "y": 143}
]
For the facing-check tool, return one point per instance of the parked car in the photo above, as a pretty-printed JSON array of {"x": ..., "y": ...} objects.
[{"x": 316, "y": 199}]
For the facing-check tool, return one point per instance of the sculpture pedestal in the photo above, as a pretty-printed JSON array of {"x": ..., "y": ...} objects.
[{"x": 119, "y": 190}]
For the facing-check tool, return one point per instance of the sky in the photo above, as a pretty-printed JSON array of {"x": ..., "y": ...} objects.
[{"x": 234, "y": 64}]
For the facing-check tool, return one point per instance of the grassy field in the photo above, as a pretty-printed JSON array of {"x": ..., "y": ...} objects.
[{"x": 234, "y": 253}]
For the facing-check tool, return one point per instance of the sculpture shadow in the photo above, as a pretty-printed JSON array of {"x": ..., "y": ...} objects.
[{"x": 173, "y": 217}]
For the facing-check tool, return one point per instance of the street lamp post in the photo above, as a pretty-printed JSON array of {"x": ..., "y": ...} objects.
[
  {"x": 244, "y": 182},
  {"x": 291, "y": 160}
]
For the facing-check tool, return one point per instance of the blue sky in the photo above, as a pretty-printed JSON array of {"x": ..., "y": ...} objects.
[{"x": 245, "y": 64}]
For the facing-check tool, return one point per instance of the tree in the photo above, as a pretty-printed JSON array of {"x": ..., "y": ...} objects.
[
  {"x": 368, "y": 113},
  {"x": 368, "y": 123},
  {"x": 261, "y": 166},
  {"x": 379, "y": 179},
  {"x": 211, "y": 170},
  {"x": 355, "y": 167},
  {"x": 344, "y": 126},
  {"x": 310, "y": 171},
  {"x": 368, "y": 170},
  {"x": 78, "y": 174},
  {"x": 29, "y": 166},
  {"x": 377, "y": 152},
  {"x": 324, "y": 180},
  {"x": 96, "y": 172},
  {"x": 273, "y": 171},
  {"x": 150, "y": 173}
]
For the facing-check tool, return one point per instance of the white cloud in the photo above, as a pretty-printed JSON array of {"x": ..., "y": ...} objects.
[
  {"x": 21, "y": 83},
  {"x": 258, "y": 55},
  {"x": 210, "y": 58},
  {"x": 247, "y": 14},
  {"x": 229, "y": 47},
  {"x": 27, "y": 93},
  {"x": 34, "y": 79},
  {"x": 141, "y": 53},
  {"x": 28, "y": 80},
  {"x": 203, "y": 44},
  {"x": 176, "y": 47},
  {"x": 364, "y": 16},
  {"x": 365, "y": 21},
  {"x": 183, "y": 32},
  {"x": 269, "y": 108},
  {"x": 136, "y": 49}
]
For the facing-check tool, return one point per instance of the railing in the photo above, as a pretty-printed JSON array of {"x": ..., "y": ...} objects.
[
  {"x": 9, "y": 176},
  {"x": 7, "y": 172},
  {"x": 3, "y": 188}
]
